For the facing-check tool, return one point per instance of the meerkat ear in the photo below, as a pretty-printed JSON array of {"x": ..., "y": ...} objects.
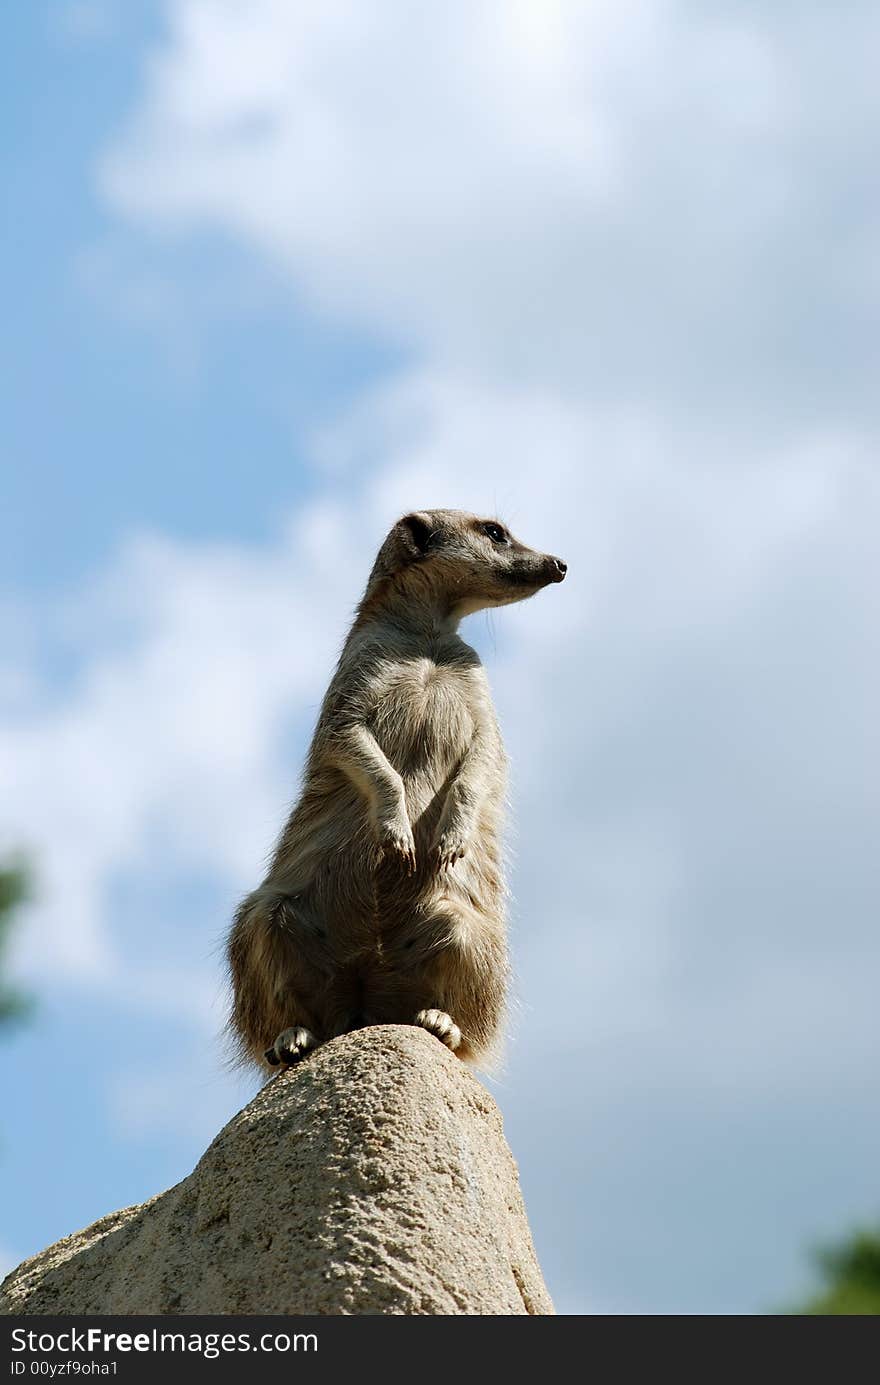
[{"x": 416, "y": 532}]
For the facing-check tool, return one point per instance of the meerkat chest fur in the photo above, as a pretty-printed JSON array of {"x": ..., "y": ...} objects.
[
  {"x": 422, "y": 713},
  {"x": 423, "y": 701}
]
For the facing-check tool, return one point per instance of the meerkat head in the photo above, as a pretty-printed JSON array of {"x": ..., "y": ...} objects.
[{"x": 465, "y": 562}]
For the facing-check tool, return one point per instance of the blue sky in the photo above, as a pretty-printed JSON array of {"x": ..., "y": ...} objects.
[{"x": 275, "y": 273}]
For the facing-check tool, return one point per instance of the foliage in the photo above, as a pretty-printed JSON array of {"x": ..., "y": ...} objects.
[
  {"x": 14, "y": 890},
  {"x": 850, "y": 1270}
]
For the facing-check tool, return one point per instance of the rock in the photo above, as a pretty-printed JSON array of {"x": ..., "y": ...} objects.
[{"x": 373, "y": 1178}]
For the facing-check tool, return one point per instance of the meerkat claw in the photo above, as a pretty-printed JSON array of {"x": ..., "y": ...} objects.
[
  {"x": 402, "y": 847},
  {"x": 447, "y": 854},
  {"x": 441, "y": 1025},
  {"x": 291, "y": 1045}
]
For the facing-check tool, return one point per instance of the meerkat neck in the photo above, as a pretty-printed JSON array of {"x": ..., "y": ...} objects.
[
  {"x": 415, "y": 608},
  {"x": 421, "y": 619}
]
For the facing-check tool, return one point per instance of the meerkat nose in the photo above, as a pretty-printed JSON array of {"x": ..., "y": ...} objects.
[{"x": 558, "y": 569}]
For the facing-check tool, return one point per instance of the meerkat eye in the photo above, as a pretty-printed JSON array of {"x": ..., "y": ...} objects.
[{"x": 496, "y": 533}]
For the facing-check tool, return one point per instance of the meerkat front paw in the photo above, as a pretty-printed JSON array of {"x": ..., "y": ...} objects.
[
  {"x": 449, "y": 846},
  {"x": 291, "y": 1045},
  {"x": 395, "y": 839},
  {"x": 441, "y": 1025}
]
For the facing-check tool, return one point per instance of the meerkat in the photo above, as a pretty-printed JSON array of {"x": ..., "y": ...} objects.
[{"x": 385, "y": 898}]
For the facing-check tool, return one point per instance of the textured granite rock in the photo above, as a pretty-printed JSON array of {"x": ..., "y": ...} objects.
[{"x": 373, "y": 1178}]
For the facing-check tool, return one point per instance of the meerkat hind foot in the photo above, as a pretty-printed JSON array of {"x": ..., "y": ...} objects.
[
  {"x": 441, "y": 1025},
  {"x": 291, "y": 1045}
]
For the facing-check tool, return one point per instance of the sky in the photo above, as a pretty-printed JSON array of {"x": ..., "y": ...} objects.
[{"x": 275, "y": 273}]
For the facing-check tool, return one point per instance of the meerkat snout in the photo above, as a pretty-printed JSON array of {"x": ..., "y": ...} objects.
[{"x": 557, "y": 568}]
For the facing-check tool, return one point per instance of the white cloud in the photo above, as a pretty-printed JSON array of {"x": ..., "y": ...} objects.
[
  {"x": 369, "y": 180},
  {"x": 638, "y": 201}
]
